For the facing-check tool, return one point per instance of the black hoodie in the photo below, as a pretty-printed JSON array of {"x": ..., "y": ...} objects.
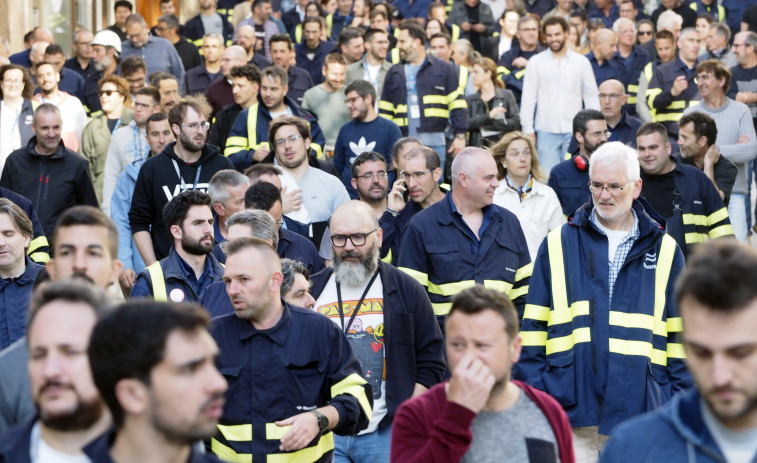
[
  {"x": 158, "y": 183},
  {"x": 54, "y": 182}
]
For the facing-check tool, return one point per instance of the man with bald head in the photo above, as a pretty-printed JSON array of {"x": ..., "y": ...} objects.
[
  {"x": 387, "y": 309},
  {"x": 612, "y": 102},
  {"x": 465, "y": 239},
  {"x": 219, "y": 93},
  {"x": 22, "y": 58},
  {"x": 603, "y": 49},
  {"x": 247, "y": 40}
]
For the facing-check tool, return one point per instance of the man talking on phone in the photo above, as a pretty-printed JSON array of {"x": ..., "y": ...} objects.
[{"x": 416, "y": 188}]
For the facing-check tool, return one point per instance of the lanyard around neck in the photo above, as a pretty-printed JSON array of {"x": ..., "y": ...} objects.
[{"x": 359, "y": 303}]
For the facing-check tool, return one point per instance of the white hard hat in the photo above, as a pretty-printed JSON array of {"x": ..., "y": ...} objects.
[{"x": 107, "y": 38}]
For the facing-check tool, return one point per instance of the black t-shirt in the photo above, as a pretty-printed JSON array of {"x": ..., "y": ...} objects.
[
  {"x": 259, "y": 36},
  {"x": 658, "y": 191},
  {"x": 750, "y": 17},
  {"x": 112, "y": 124}
]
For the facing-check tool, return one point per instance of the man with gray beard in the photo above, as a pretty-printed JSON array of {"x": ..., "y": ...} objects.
[{"x": 388, "y": 320}]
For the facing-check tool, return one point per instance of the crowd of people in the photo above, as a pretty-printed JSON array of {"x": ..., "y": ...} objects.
[{"x": 339, "y": 230}]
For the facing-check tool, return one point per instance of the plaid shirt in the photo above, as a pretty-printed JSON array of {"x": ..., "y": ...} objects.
[{"x": 623, "y": 248}]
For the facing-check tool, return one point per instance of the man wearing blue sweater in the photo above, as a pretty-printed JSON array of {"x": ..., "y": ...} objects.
[{"x": 365, "y": 132}]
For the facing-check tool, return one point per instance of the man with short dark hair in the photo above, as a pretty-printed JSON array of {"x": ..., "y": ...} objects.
[
  {"x": 295, "y": 285},
  {"x": 159, "y": 54},
  {"x": 153, "y": 364},
  {"x": 188, "y": 164},
  {"x": 264, "y": 27},
  {"x": 681, "y": 194},
  {"x": 311, "y": 53},
  {"x": 168, "y": 28},
  {"x": 129, "y": 144},
  {"x": 199, "y": 78},
  {"x": 48, "y": 79},
  {"x": 134, "y": 70},
  {"x": 365, "y": 132},
  {"x": 227, "y": 190},
  {"x": 380, "y": 299},
  {"x": 245, "y": 87},
  {"x": 716, "y": 299},
  {"x": 480, "y": 398},
  {"x": 158, "y": 134},
  {"x": 122, "y": 9},
  {"x": 697, "y": 133},
  {"x": 81, "y": 47},
  {"x": 66, "y": 181},
  {"x": 316, "y": 392},
  {"x": 168, "y": 86},
  {"x": 350, "y": 44},
  {"x": 422, "y": 95},
  {"x": 511, "y": 65},
  {"x": 70, "y": 82},
  {"x": 373, "y": 66},
  {"x": 326, "y": 100},
  {"x": 570, "y": 178},
  {"x": 69, "y": 410},
  {"x": 189, "y": 268},
  {"x": 665, "y": 47},
  {"x": 298, "y": 79},
  {"x": 475, "y": 20}
]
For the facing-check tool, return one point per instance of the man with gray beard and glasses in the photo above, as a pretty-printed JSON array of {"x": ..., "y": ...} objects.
[{"x": 393, "y": 331}]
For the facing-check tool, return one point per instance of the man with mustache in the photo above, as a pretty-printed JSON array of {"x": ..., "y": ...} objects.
[
  {"x": 69, "y": 411},
  {"x": 717, "y": 420},
  {"x": 189, "y": 268},
  {"x": 388, "y": 321},
  {"x": 153, "y": 363},
  {"x": 85, "y": 247}
]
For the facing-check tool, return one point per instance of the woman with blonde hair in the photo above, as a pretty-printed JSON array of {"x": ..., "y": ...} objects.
[
  {"x": 492, "y": 109},
  {"x": 521, "y": 190}
]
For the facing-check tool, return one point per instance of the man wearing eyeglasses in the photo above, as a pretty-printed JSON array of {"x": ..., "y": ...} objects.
[
  {"x": 676, "y": 190},
  {"x": 188, "y": 164},
  {"x": 365, "y": 132},
  {"x": 388, "y": 321},
  {"x": 600, "y": 331}
]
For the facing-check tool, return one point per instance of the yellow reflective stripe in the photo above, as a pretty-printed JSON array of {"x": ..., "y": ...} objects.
[
  {"x": 717, "y": 216},
  {"x": 679, "y": 104},
  {"x": 502, "y": 71},
  {"x": 462, "y": 81},
  {"x": 252, "y": 131},
  {"x": 40, "y": 257},
  {"x": 298, "y": 33},
  {"x": 695, "y": 219},
  {"x": 723, "y": 230},
  {"x": 388, "y": 257},
  {"x": 353, "y": 385},
  {"x": 236, "y": 433},
  {"x": 640, "y": 348},
  {"x": 325, "y": 444},
  {"x": 435, "y": 99},
  {"x": 395, "y": 54},
  {"x": 668, "y": 117},
  {"x": 675, "y": 325},
  {"x": 273, "y": 432},
  {"x": 519, "y": 74},
  {"x": 329, "y": 23},
  {"x": 436, "y": 112},
  {"x": 567, "y": 156},
  {"x": 420, "y": 277},
  {"x": 158, "y": 283},
  {"x": 37, "y": 243},
  {"x": 536, "y": 312},
  {"x": 557, "y": 272},
  {"x": 450, "y": 289},
  {"x": 441, "y": 308},
  {"x": 313, "y": 146},
  {"x": 662, "y": 276},
  {"x": 524, "y": 271},
  {"x": 458, "y": 104},
  {"x": 675, "y": 350},
  {"x": 631, "y": 100},
  {"x": 533, "y": 338},
  {"x": 401, "y": 122},
  {"x": 652, "y": 93},
  {"x": 515, "y": 293},
  {"x": 386, "y": 106},
  {"x": 498, "y": 285},
  {"x": 565, "y": 343},
  {"x": 648, "y": 72},
  {"x": 227, "y": 454},
  {"x": 633, "y": 88},
  {"x": 721, "y": 13},
  {"x": 690, "y": 238},
  {"x": 402, "y": 108},
  {"x": 198, "y": 43},
  {"x": 577, "y": 309},
  {"x": 234, "y": 145},
  {"x": 637, "y": 320}
]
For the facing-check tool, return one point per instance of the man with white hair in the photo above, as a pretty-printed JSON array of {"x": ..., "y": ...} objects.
[
  {"x": 600, "y": 331},
  {"x": 633, "y": 60},
  {"x": 464, "y": 239}
]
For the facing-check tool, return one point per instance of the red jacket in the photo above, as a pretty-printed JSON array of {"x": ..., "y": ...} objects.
[{"x": 430, "y": 429}]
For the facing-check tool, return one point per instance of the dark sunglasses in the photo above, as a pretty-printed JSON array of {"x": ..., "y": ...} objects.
[
  {"x": 108, "y": 92},
  {"x": 645, "y": 32}
]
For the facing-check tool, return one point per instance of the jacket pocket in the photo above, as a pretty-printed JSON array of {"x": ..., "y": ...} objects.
[
  {"x": 231, "y": 374},
  {"x": 658, "y": 386},
  {"x": 306, "y": 377},
  {"x": 560, "y": 378}
]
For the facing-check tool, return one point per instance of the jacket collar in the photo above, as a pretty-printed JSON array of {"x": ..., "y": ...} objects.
[
  {"x": 29, "y": 275},
  {"x": 277, "y": 334},
  {"x": 649, "y": 221},
  {"x": 174, "y": 266},
  {"x": 449, "y": 210},
  {"x": 685, "y": 415},
  {"x": 31, "y": 149}
]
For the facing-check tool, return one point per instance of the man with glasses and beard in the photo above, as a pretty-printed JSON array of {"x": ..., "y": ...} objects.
[
  {"x": 188, "y": 164},
  {"x": 70, "y": 412},
  {"x": 153, "y": 364},
  {"x": 380, "y": 300},
  {"x": 189, "y": 268}
]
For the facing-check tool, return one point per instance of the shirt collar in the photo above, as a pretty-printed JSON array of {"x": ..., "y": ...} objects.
[
  {"x": 278, "y": 333},
  {"x": 189, "y": 272},
  {"x": 633, "y": 233}
]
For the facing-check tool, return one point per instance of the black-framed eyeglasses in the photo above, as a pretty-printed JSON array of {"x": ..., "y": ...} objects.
[
  {"x": 358, "y": 239},
  {"x": 613, "y": 188}
]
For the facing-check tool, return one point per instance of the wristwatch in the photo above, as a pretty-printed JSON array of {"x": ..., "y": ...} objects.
[
  {"x": 323, "y": 421},
  {"x": 460, "y": 136}
]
